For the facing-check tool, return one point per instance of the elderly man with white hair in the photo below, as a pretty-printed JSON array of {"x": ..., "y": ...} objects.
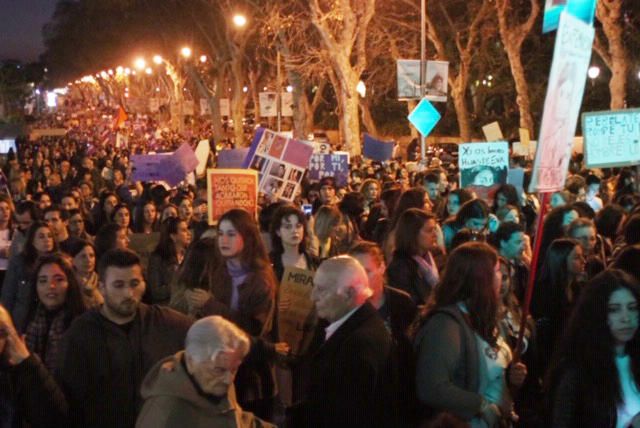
[
  {"x": 352, "y": 377},
  {"x": 195, "y": 388}
]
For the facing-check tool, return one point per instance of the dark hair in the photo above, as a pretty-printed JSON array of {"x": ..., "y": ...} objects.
[
  {"x": 608, "y": 220},
  {"x": 106, "y": 238},
  {"x": 56, "y": 208},
  {"x": 328, "y": 181},
  {"x": 367, "y": 247},
  {"x": 138, "y": 222},
  {"x": 254, "y": 253},
  {"x": 463, "y": 195},
  {"x": 588, "y": 345},
  {"x": 118, "y": 208},
  {"x": 579, "y": 223},
  {"x": 553, "y": 229},
  {"x": 73, "y": 305},
  {"x": 407, "y": 231},
  {"x": 593, "y": 179},
  {"x": 627, "y": 260},
  {"x": 118, "y": 258},
  {"x": 632, "y": 230},
  {"x": 28, "y": 206},
  {"x": 77, "y": 245},
  {"x": 509, "y": 192},
  {"x": 468, "y": 277},
  {"x": 29, "y": 252},
  {"x": 352, "y": 204},
  {"x": 466, "y": 235},
  {"x": 505, "y": 230},
  {"x": 410, "y": 198},
  {"x": 475, "y": 208},
  {"x": 584, "y": 209},
  {"x": 166, "y": 247},
  {"x": 283, "y": 212},
  {"x": 390, "y": 198},
  {"x": 266, "y": 215},
  {"x": 199, "y": 261}
]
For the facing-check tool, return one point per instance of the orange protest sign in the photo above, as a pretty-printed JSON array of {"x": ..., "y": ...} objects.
[{"x": 231, "y": 188}]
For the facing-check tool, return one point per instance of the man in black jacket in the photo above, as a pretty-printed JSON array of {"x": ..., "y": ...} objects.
[
  {"x": 353, "y": 382},
  {"x": 107, "y": 351}
]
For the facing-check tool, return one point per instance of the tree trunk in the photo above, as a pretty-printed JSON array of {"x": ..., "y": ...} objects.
[
  {"x": 610, "y": 15},
  {"x": 213, "y": 102},
  {"x": 237, "y": 100},
  {"x": 522, "y": 89},
  {"x": 458, "y": 93},
  {"x": 367, "y": 118},
  {"x": 411, "y": 104},
  {"x": 350, "y": 119}
]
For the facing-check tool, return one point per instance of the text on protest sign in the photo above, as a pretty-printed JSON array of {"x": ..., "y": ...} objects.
[
  {"x": 231, "y": 188},
  {"x": 611, "y": 138},
  {"x": 296, "y": 313},
  {"x": 335, "y": 165}
]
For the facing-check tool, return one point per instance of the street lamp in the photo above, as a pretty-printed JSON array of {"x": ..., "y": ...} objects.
[
  {"x": 289, "y": 88},
  {"x": 361, "y": 89},
  {"x": 239, "y": 20},
  {"x": 593, "y": 72},
  {"x": 140, "y": 63},
  {"x": 157, "y": 59},
  {"x": 148, "y": 70},
  {"x": 203, "y": 58},
  {"x": 185, "y": 52}
]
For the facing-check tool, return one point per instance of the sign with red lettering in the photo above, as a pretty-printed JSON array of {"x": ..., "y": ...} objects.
[{"x": 231, "y": 188}]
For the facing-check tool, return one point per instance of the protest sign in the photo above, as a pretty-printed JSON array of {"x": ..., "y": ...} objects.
[
  {"x": 377, "y": 150},
  {"x": 154, "y": 105},
  {"x": 520, "y": 149},
  {"x": 515, "y": 177},
  {"x": 170, "y": 167},
  {"x": 408, "y": 75},
  {"x": 436, "y": 81},
  {"x": 280, "y": 162},
  {"x": 525, "y": 138},
  {"x": 231, "y": 188},
  {"x": 232, "y": 158},
  {"x": 612, "y": 138},
  {"x": 335, "y": 165},
  {"x": 492, "y": 132},
  {"x": 321, "y": 147},
  {"x": 571, "y": 57},
  {"x": 47, "y": 132},
  {"x": 146, "y": 167},
  {"x": 582, "y": 9},
  {"x": 225, "y": 107},
  {"x": 286, "y": 99},
  {"x": 483, "y": 164},
  {"x": 144, "y": 244},
  {"x": 202, "y": 154},
  {"x": 296, "y": 313},
  {"x": 268, "y": 104}
]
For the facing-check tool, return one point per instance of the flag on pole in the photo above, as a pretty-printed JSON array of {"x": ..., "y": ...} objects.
[{"x": 121, "y": 117}]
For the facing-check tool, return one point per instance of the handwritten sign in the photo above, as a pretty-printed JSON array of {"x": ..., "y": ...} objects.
[
  {"x": 335, "y": 165},
  {"x": 232, "y": 158},
  {"x": 492, "y": 132},
  {"x": 296, "y": 313},
  {"x": 571, "y": 58},
  {"x": 231, "y": 188},
  {"x": 612, "y": 138},
  {"x": 483, "y": 164}
]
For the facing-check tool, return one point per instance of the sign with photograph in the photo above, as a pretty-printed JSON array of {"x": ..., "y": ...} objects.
[
  {"x": 408, "y": 75},
  {"x": 437, "y": 75},
  {"x": 611, "y": 138},
  {"x": 280, "y": 162},
  {"x": 231, "y": 188},
  {"x": 571, "y": 57}
]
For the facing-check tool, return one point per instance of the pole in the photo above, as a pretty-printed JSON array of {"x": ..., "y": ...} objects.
[
  {"x": 279, "y": 89},
  {"x": 532, "y": 273},
  {"x": 423, "y": 67}
]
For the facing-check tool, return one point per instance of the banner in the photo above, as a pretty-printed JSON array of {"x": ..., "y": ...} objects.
[
  {"x": 169, "y": 167},
  {"x": 202, "y": 154},
  {"x": 232, "y": 158},
  {"x": 335, "y": 165},
  {"x": 231, "y": 188},
  {"x": 296, "y": 313},
  {"x": 528, "y": 151},
  {"x": 611, "y": 138},
  {"x": 225, "y": 107},
  {"x": 437, "y": 77},
  {"x": 47, "y": 132},
  {"x": 571, "y": 57},
  {"x": 280, "y": 162},
  {"x": 584, "y": 10},
  {"x": 146, "y": 168},
  {"x": 408, "y": 75},
  {"x": 377, "y": 150},
  {"x": 268, "y": 104}
]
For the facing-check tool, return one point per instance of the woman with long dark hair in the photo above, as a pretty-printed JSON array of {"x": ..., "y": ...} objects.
[
  {"x": 289, "y": 241},
  {"x": 84, "y": 265},
  {"x": 104, "y": 209},
  {"x": 17, "y": 295},
  {"x": 473, "y": 215},
  {"x": 595, "y": 379},
  {"x": 121, "y": 216},
  {"x": 166, "y": 259},
  {"x": 58, "y": 301},
  {"x": 146, "y": 219},
  {"x": 462, "y": 359}
]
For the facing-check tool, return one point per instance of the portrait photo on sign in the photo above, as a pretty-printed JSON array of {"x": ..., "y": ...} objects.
[
  {"x": 437, "y": 75},
  {"x": 295, "y": 175},
  {"x": 278, "y": 169},
  {"x": 483, "y": 176},
  {"x": 258, "y": 163},
  {"x": 287, "y": 193},
  {"x": 272, "y": 186}
]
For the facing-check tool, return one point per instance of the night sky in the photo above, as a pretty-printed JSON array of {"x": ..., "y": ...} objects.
[{"x": 21, "y": 24}]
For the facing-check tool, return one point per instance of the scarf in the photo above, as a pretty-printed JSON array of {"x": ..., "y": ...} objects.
[
  {"x": 44, "y": 335},
  {"x": 238, "y": 276}
]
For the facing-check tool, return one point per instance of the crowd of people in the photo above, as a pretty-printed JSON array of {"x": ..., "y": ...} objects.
[{"x": 418, "y": 289}]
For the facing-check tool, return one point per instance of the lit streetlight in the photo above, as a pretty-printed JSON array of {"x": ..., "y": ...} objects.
[
  {"x": 185, "y": 52},
  {"x": 289, "y": 88},
  {"x": 157, "y": 59},
  {"x": 148, "y": 70},
  {"x": 239, "y": 20},
  {"x": 140, "y": 63},
  {"x": 593, "y": 72},
  {"x": 203, "y": 58},
  {"x": 361, "y": 89}
]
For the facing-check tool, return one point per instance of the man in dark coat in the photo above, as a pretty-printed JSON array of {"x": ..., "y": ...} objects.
[
  {"x": 107, "y": 351},
  {"x": 353, "y": 380}
]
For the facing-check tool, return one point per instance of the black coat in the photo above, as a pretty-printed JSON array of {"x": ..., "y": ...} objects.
[
  {"x": 404, "y": 273},
  {"x": 353, "y": 378}
]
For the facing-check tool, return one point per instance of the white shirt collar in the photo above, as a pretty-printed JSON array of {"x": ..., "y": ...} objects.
[{"x": 334, "y": 326}]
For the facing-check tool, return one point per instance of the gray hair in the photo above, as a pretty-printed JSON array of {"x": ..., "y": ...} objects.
[
  {"x": 346, "y": 272},
  {"x": 211, "y": 335}
]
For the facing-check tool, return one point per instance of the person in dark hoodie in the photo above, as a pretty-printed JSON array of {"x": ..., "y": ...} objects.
[
  {"x": 198, "y": 390},
  {"x": 107, "y": 351}
]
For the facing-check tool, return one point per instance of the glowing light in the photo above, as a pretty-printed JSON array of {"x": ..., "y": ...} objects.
[
  {"x": 185, "y": 52},
  {"x": 52, "y": 99},
  {"x": 127, "y": 71},
  {"x": 239, "y": 20},
  {"x": 593, "y": 72},
  {"x": 148, "y": 70},
  {"x": 289, "y": 88},
  {"x": 110, "y": 72},
  {"x": 361, "y": 89},
  {"x": 157, "y": 59},
  {"x": 140, "y": 63},
  {"x": 203, "y": 58},
  {"x": 104, "y": 75},
  {"x": 245, "y": 89},
  {"x": 119, "y": 69}
]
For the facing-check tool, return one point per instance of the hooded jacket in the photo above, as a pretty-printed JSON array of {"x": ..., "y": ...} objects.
[{"x": 171, "y": 400}]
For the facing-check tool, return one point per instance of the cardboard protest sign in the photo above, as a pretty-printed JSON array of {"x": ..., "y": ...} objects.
[
  {"x": 231, "y": 188},
  {"x": 335, "y": 165},
  {"x": 188, "y": 108},
  {"x": 202, "y": 153},
  {"x": 612, "y": 138},
  {"x": 377, "y": 150},
  {"x": 492, "y": 132},
  {"x": 520, "y": 149},
  {"x": 268, "y": 104},
  {"x": 408, "y": 75},
  {"x": 225, "y": 107},
  {"x": 571, "y": 57},
  {"x": 232, "y": 158},
  {"x": 296, "y": 313},
  {"x": 144, "y": 244},
  {"x": 584, "y": 10},
  {"x": 483, "y": 167},
  {"x": 525, "y": 138}
]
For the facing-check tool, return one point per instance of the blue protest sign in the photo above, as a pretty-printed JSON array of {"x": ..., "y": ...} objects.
[
  {"x": 377, "y": 150},
  {"x": 233, "y": 158},
  {"x": 582, "y": 9},
  {"x": 146, "y": 167},
  {"x": 335, "y": 165},
  {"x": 424, "y": 117},
  {"x": 611, "y": 138}
]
